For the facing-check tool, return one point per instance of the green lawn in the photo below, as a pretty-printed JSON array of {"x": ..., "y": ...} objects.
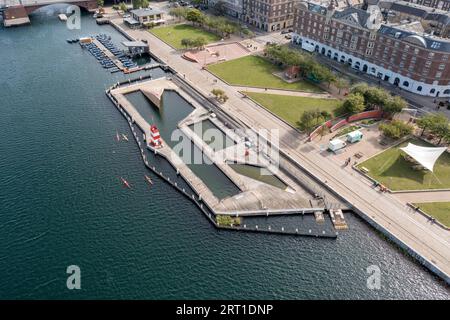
[
  {"x": 254, "y": 71},
  {"x": 173, "y": 34},
  {"x": 438, "y": 210},
  {"x": 390, "y": 169},
  {"x": 290, "y": 108}
]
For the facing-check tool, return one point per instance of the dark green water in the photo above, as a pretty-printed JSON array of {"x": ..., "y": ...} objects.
[
  {"x": 212, "y": 135},
  {"x": 258, "y": 173},
  {"x": 173, "y": 109},
  {"x": 61, "y": 203}
]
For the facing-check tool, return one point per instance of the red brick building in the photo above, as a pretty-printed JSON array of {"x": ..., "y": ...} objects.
[
  {"x": 438, "y": 4},
  {"x": 268, "y": 15},
  {"x": 415, "y": 62}
]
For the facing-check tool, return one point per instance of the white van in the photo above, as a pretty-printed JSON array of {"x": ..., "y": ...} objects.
[{"x": 336, "y": 144}]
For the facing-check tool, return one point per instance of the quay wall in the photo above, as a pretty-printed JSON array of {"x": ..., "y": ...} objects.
[
  {"x": 196, "y": 198},
  {"x": 425, "y": 262}
]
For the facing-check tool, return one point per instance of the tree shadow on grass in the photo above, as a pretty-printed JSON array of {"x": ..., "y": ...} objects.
[{"x": 400, "y": 168}]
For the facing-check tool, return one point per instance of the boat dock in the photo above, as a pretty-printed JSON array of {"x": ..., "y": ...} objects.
[
  {"x": 110, "y": 56},
  {"x": 337, "y": 217}
]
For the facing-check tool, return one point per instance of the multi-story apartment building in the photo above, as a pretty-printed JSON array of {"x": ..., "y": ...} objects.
[
  {"x": 268, "y": 15},
  {"x": 438, "y": 4},
  {"x": 433, "y": 20},
  {"x": 416, "y": 62},
  {"x": 233, "y": 7}
]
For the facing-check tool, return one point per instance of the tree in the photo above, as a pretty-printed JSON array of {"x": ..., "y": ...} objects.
[
  {"x": 424, "y": 123},
  {"x": 354, "y": 103},
  {"x": 195, "y": 16},
  {"x": 186, "y": 42},
  {"x": 341, "y": 83},
  {"x": 310, "y": 119},
  {"x": 123, "y": 6},
  {"x": 442, "y": 130},
  {"x": 179, "y": 12},
  {"x": 447, "y": 137},
  {"x": 220, "y": 8},
  {"x": 376, "y": 97},
  {"x": 308, "y": 66},
  {"x": 438, "y": 124},
  {"x": 323, "y": 131},
  {"x": 220, "y": 95},
  {"x": 431, "y": 121},
  {"x": 199, "y": 42},
  {"x": 225, "y": 27},
  {"x": 360, "y": 88},
  {"x": 394, "y": 105},
  {"x": 396, "y": 129},
  {"x": 144, "y": 4},
  {"x": 247, "y": 32},
  {"x": 100, "y": 3}
]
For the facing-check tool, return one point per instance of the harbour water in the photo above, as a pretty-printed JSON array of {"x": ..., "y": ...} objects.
[{"x": 62, "y": 203}]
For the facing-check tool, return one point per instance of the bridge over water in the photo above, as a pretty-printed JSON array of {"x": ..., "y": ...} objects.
[{"x": 15, "y": 12}]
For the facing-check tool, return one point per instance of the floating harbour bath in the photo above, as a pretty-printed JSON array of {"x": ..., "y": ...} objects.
[{"x": 235, "y": 194}]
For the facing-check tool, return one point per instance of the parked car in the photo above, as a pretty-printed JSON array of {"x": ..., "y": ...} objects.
[
  {"x": 285, "y": 31},
  {"x": 288, "y": 36}
]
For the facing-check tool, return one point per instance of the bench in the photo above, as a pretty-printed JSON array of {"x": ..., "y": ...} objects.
[{"x": 364, "y": 169}]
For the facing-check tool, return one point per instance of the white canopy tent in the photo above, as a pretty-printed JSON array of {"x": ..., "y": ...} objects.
[{"x": 425, "y": 156}]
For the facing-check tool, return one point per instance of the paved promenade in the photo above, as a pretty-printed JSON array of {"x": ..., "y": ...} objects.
[
  {"x": 423, "y": 196},
  {"x": 285, "y": 92},
  {"x": 429, "y": 241}
]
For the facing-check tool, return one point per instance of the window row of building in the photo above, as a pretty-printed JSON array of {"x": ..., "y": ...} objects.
[{"x": 400, "y": 57}]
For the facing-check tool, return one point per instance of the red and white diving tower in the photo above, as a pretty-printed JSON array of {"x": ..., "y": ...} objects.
[{"x": 155, "y": 137}]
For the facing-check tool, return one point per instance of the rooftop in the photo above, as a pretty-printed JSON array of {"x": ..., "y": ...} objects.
[
  {"x": 144, "y": 12},
  {"x": 407, "y": 31},
  {"x": 425, "y": 13},
  {"x": 423, "y": 40}
]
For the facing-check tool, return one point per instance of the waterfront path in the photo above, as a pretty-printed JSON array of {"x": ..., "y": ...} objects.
[
  {"x": 423, "y": 196},
  {"x": 284, "y": 92},
  {"x": 411, "y": 229}
]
